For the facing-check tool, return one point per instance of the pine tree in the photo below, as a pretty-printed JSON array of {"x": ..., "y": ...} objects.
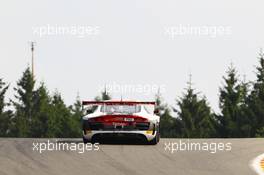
[
  {"x": 167, "y": 122},
  {"x": 194, "y": 115},
  {"x": 244, "y": 121},
  {"x": 59, "y": 122},
  {"x": 169, "y": 128},
  {"x": 77, "y": 108},
  {"x": 103, "y": 96},
  {"x": 24, "y": 104},
  {"x": 232, "y": 101},
  {"x": 256, "y": 100},
  {"x": 77, "y": 114},
  {"x": 5, "y": 116},
  {"x": 42, "y": 111}
]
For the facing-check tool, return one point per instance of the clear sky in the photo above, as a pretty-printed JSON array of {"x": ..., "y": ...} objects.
[{"x": 138, "y": 43}]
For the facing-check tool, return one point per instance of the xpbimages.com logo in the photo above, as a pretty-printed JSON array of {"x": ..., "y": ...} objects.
[
  {"x": 62, "y": 146},
  {"x": 187, "y": 145},
  {"x": 79, "y": 31}
]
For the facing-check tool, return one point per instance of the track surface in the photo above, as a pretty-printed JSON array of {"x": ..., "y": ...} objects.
[{"x": 18, "y": 158}]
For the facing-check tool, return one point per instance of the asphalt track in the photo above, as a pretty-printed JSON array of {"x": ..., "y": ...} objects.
[{"x": 18, "y": 158}]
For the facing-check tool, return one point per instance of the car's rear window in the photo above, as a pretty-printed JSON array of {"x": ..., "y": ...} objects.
[{"x": 121, "y": 109}]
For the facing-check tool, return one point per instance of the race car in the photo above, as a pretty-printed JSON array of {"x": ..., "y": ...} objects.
[{"x": 121, "y": 118}]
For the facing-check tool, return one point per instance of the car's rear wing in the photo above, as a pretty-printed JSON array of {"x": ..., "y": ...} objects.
[
  {"x": 118, "y": 103},
  {"x": 86, "y": 103}
]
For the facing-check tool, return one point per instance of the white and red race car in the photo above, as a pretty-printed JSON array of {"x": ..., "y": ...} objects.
[{"x": 121, "y": 118}]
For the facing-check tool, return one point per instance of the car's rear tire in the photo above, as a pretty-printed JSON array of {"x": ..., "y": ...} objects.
[
  {"x": 156, "y": 139},
  {"x": 85, "y": 141}
]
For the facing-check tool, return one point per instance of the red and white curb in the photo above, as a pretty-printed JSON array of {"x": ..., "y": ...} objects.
[{"x": 258, "y": 164}]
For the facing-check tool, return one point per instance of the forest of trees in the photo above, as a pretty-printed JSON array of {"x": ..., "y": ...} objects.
[
  {"x": 34, "y": 112},
  {"x": 241, "y": 113}
]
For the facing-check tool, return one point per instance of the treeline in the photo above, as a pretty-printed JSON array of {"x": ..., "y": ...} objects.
[
  {"x": 34, "y": 112},
  {"x": 241, "y": 110}
]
